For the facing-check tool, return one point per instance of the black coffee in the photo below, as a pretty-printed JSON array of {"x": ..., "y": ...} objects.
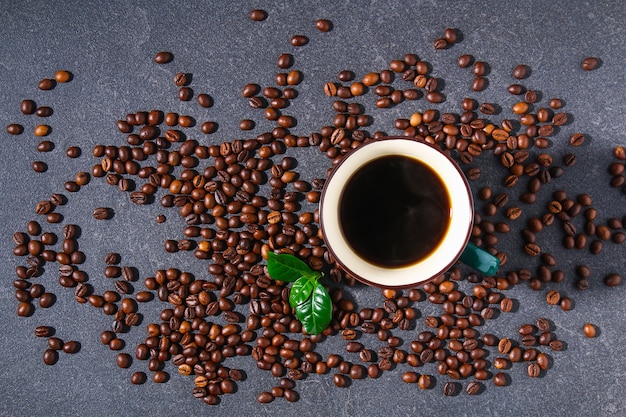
[{"x": 394, "y": 211}]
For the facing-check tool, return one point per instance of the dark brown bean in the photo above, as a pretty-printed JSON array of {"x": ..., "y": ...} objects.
[
  {"x": 299, "y": 40},
  {"x": 14, "y": 129},
  {"x": 138, "y": 378},
  {"x": 46, "y": 84},
  {"x": 265, "y": 397},
  {"x": 590, "y": 63},
  {"x": 323, "y": 25},
  {"x": 613, "y": 280},
  {"x": 577, "y": 139},
  {"x": 258, "y": 15},
  {"x": 465, "y": 61},
  {"x": 28, "y": 106},
  {"x": 123, "y": 360},
  {"x": 163, "y": 57},
  {"x": 521, "y": 71},
  {"x": 71, "y": 347},
  {"x": 50, "y": 356}
]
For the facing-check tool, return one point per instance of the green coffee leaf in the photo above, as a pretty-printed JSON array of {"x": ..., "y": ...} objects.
[
  {"x": 288, "y": 268},
  {"x": 301, "y": 291},
  {"x": 309, "y": 298},
  {"x": 316, "y": 312}
]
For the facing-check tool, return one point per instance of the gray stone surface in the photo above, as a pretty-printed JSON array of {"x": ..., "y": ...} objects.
[{"x": 109, "y": 47}]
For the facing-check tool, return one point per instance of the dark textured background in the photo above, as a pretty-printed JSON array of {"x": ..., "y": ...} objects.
[{"x": 109, "y": 47}]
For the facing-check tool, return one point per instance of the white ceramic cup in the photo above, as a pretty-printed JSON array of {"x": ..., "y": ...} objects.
[{"x": 450, "y": 248}]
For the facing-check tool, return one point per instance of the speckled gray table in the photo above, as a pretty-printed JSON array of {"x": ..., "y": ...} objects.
[{"x": 109, "y": 47}]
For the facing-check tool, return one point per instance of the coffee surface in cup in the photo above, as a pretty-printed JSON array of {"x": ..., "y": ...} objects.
[{"x": 394, "y": 211}]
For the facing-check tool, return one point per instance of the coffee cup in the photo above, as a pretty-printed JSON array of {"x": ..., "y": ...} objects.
[{"x": 398, "y": 212}]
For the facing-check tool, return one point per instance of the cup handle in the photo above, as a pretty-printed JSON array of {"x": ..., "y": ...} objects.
[{"x": 480, "y": 259}]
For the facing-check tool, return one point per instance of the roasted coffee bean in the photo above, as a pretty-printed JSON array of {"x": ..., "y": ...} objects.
[
  {"x": 42, "y": 130},
  {"x": 46, "y": 300},
  {"x": 185, "y": 94},
  {"x": 46, "y": 84},
  {"x": 543, "y": 324},
  {"x": 50, "y": 356},
  {"x": 101, "y": 213},
  {"x": 265, "y": 397},
  {"x": 530, "y": 96},
  {"x": 62, "y": 76},
  {"x": 28, "y": 106},
  {"x": 55, "y": 343},
  {"x": 450, "y": 35},
  {"x": 71, "y": 347},
  {"x": 613, "y": 280},
  {"x": 258, "y": 15},
  {"x": 589, "y": 330},
  {"x": 479, "y": 84},
  {"x": 160, "y": 377},
  {"x": 123, "y": 360},
  {"x": 163, "y": 57},
  {"x": 45, "y": 146},
  {"x": 25, "y": 309},
  {"x": 450, "y": 389},
  {"x": 521, "y": 71},
  {"x": 566, "y": 304},
  {"x": 577, "y": 139},
  {"x": 440, "y": 43},
  {"x": 14, "y": 129},
  {"x": 73, "y": 152},
  {"x": 354, "y": 347},
  {"x": 340, "y": 381},
  {"x": 532, "y": 249},
  {"x": 43, "y": 331},
  {"x": 138, "y": 197},
  {"x": 465, "y": 61},
  {"x": 424, "y": 381},
  {"x": 299, "y": 40},
  {"x": 39, "y": 166},
  {"x": 473, "y": 388},
  {"x": 323, "y": 25},
  {"x": 250, "y": 90},
  {"x": 506, "y": 305},
  {"x": 534, "y": 370},
  {"x": 553, "y": 297},
  {"x": 206, "y": 101},
  {"x": 181, "y": 79},
  {"x": 138, "y": 378},
  {"x": 500, "y": 379},
  {"x": 504, "y": 345},
  {"x": 590, "y": 63}
]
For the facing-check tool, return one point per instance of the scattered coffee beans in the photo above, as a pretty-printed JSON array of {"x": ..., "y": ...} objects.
[{"x": 231, "y": 223}]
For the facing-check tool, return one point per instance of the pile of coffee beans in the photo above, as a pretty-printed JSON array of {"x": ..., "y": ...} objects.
[{"x": 241, "y": 199}]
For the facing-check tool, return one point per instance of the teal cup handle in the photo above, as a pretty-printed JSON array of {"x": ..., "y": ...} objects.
[{"x": 480, "y": 260}]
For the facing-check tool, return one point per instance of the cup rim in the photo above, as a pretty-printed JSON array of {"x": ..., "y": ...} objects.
[{"x": 417, "y": 282}]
